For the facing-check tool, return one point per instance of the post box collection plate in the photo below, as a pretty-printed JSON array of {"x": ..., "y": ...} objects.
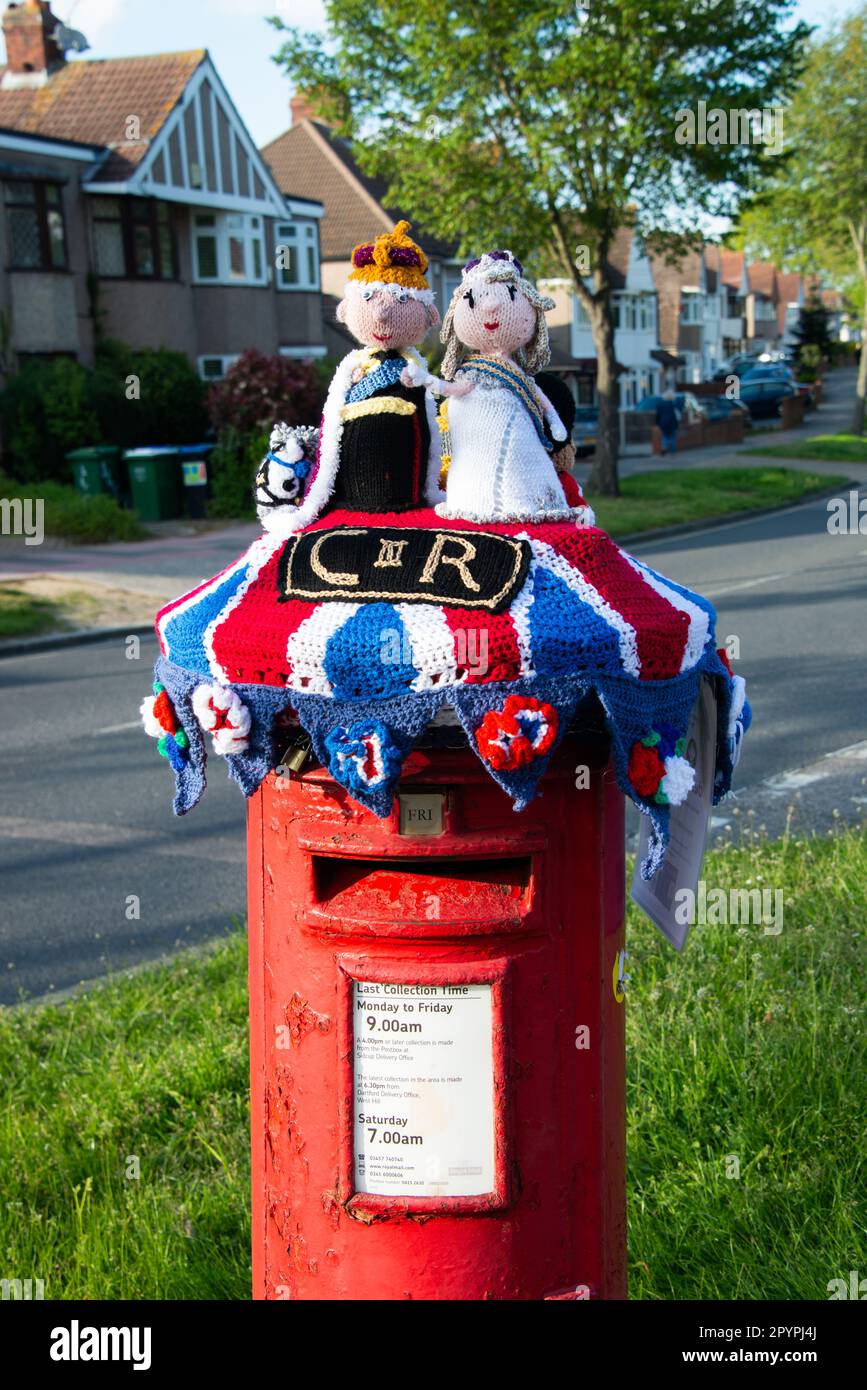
[
  {"x": 423, "y": 1089},
  {"x": 421, "y": 813}
]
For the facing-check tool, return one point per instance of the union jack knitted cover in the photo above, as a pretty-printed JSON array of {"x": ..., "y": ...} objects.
[{"x": 510, "y": 634}]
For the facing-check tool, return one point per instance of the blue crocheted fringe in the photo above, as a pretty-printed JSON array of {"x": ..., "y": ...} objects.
[{"x": 364, "y": 743}]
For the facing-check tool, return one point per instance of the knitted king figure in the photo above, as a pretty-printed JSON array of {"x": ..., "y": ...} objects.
[
  {"x": 501, "y": 438},
  {"x": 378, "y": 447}
]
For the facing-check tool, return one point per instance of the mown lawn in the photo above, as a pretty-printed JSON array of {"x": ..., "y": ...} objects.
[
  {"x": 71, "y": 516},
  {"x": 23, "y": 615},
  {"x": 671, "y": 496},
  {"x": 833, "y": 448},
  {"x": 123, "y": 1137}
]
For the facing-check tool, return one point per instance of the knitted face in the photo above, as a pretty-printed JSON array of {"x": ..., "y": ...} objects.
[
  {"x": 494, "y": 316},
  {"x": 386, "y": 318}
]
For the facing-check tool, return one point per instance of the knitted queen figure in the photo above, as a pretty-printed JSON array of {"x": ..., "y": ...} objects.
[{"x": 496, "y": 336}]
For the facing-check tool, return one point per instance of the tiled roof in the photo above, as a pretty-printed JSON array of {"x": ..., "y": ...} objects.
[
  {"x": 310, "y": 161},
  {"x": 732, "y": 268},
  {"x": 763, "y": 279},
  {"x": 91, "y": 101}
]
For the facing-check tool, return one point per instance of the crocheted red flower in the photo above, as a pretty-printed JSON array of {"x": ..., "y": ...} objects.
[
  {"x": 514, "y": 736},
  {"x": 646, "y": 769}
]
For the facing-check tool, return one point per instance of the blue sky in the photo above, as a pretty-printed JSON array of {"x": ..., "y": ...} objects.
[{"x": 240, "y": 41}]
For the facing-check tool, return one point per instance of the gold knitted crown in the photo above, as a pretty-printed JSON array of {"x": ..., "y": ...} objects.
[{"x": 392, "y": 259}]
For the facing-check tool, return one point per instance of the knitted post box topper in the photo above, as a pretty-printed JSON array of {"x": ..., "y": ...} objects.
[
  {"x": 378, "y": 447},
  {"x": 496, "y": 336}
]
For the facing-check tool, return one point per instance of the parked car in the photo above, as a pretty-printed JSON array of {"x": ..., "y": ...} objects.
[
  {"x": 722, "y": 408},
  {"x": 769, "y": 371},
  {"x": 736, "y": 366},
  {"x": 689, "y": 406},
  {"x": 764, "y": 399},
  {"x": 585, "y": 429}
]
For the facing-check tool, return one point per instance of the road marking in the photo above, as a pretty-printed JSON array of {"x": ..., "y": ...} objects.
[
  {"x": 116, "y": 728},
  {"x": 96, "y": 836},
  {"x": 783, "y": 783},
  {"x": 747, "y": 584}
]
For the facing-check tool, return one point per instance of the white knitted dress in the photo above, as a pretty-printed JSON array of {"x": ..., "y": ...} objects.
[{"x": 499, "y": 470}]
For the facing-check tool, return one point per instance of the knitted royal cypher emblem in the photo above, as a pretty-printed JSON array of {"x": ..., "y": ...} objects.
[{"x": 472, "y": 569}]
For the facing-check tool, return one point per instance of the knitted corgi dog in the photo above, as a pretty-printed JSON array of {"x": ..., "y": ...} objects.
[
  {"x": 378, "y": 448},
  {"x": 500, "y": 437}
]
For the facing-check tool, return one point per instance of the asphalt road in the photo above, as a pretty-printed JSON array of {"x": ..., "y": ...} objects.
[{"x": 85, "y": 814}]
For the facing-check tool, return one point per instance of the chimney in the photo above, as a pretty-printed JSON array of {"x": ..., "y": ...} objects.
[
  {"x": 32, "y": 52},
  {"x": 302, "y": 108}
]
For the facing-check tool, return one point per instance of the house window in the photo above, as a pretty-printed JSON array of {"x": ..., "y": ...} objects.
[
  {"x": 229, "y": 248},
  {"x": 451, "y": 280},
  {"x": 581, "y": 317},
  {"x": 691, "y": 307},
  {"x": 133, "y": 239},
  {"x": 214, "y": 368},
  {"x": 633, "y": 312},
  {"x": 297, "y": 256},
  {"x": 37, "y": 237}
]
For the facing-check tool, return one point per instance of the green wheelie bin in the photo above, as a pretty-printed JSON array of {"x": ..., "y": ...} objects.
[
  {"x": 155, "y": 482},
  {"x": 96, "y": 470}
]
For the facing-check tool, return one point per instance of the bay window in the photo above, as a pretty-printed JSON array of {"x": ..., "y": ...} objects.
[
  {"x": 34, "y": 217},
  {"x": 297, "y": 256},
  {"x": 133, "y": 238},
  {"x": 229, "y": 248}
]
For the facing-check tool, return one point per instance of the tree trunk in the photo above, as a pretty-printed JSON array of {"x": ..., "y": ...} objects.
[
  {"x": 861, "y": 388},
  {"x": 603, "y": 477}
]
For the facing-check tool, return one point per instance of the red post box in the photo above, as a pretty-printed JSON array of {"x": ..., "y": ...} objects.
[{"x": 437, "y": 1036}]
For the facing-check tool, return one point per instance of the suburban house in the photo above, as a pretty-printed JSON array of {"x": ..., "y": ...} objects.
[
  {"x": 737, "y": 289},
  {"x": 790, "y": 301},
  {"x": 309, "y": 159},
  {"x": 637, "y": 348},
  {"x": 135, "y": 205},
  {"x": 692, "y": 306},
  {"x": 761, "y": 306}
]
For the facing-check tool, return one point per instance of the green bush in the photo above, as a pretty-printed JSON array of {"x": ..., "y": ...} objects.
[
  {"x": 232, "y": 470},
  {"x": 83, "y": 520},
  {"x": 129, "y": 398}
]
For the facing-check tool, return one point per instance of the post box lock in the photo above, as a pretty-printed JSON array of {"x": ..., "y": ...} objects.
[{"x": 295, "y": 756}]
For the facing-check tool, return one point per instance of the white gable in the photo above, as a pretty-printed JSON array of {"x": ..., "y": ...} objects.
[{"x": 204, "y": 155}]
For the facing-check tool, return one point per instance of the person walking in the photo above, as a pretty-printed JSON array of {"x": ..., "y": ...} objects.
[{"x": 668, "y": 419}]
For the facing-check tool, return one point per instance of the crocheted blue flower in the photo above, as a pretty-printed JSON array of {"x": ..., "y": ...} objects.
[{"x": 364, "y": 756}]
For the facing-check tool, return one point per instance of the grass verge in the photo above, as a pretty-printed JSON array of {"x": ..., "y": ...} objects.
[
  {"x": 23, "y": 615},
  {"x": 748, "y": 1045},
  {"x": 69, "y": 515},
  {"x": 832, "y": 448},
  {"x": 672, "y": 497}
]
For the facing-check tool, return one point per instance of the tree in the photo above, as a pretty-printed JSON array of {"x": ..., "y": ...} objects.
[
  {"x": 816, "y": 216},
  {"x": 539, "y": 124},
  {"x": 812, "y": 329}
]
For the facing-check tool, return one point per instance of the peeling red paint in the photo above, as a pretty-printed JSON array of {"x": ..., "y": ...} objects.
[{"x": 301, "y": 1019}]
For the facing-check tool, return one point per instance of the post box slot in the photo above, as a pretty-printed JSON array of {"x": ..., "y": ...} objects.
[{"x": 443, "y": 889}]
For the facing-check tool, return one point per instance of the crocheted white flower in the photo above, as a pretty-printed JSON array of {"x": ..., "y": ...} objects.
[
  {"x": 223, "y": 714},
  {"x": 678, "y": 780}
]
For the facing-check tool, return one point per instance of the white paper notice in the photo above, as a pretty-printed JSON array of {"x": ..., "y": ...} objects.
[
  {"x": 688, "y": 830},
  {"x": 424, "y": 1089}
]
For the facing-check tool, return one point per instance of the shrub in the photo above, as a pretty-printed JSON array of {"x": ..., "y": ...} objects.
[
  {"x": 257, "y": 390},
  {"x": 232, "y": 469},
  {"x": 51, "y": 407},
  {"x": 169, "y": 407}
]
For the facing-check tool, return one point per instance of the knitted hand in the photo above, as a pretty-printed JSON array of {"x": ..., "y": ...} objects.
[{"x": 416, "y": 376}]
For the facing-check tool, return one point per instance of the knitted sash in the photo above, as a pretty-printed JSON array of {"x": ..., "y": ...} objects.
[
  {"x": 515, "y": 381},
  {"x": 387, "y": 373}
]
